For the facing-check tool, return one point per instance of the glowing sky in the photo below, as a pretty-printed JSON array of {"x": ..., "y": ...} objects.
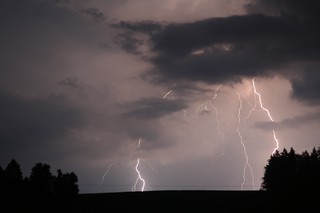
[{"x": 101, "y": 87}]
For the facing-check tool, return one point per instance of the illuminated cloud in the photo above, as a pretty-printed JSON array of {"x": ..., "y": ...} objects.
[{"x": 294, "y": 122}]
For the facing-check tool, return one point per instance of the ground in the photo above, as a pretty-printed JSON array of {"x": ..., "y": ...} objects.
[{"x": 168, "y": 201}]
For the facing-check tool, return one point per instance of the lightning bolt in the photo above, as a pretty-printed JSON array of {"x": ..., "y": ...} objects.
[
  {"x": 253, "y": 107},
  {"x": 240, "y": 105},
  {"x": 166, "y": 95},
  {"x": 216, "y": 110},
  {"x": 247, "y": 163},
  {"x": 106, "y": 173},
  {"x": 267, "y": 112},
  {"x": 207, "y": 109},
  {"x": 139, "y": 178},
  {"x": 207, "y": 106}
]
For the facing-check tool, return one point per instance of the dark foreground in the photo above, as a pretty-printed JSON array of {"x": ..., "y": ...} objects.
[{"x": 169, "y": 201}]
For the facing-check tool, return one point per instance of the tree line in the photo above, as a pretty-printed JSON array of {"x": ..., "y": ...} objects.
[
  {"x": 285, "y": 171},
  {"x": 40, "y": 183},
  {"x": 290, "y": 171}
]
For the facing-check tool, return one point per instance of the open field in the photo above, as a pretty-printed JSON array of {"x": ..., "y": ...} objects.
[{"x": 169, "y": 201}]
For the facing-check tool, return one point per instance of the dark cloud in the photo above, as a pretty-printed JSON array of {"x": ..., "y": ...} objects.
[
  {"x": 148, "y": 27},
  {"x": 152, "y": 108},
  {"x": 142, "y": 119},
  {"x": 217, "y": 49},
  {"x": 72, "y": 82},
  {"x": 306, "y": 88},
  {"x": 133, "y": 38},
  {"x": 148, "y": 130},
  {"x": 183, "y": 39},
  {"x": 30, "y": 124},
  {"x": 294, "y": 122},
  {"x": 187, "y": 89},
  {"x": 44, "y": 40},
  {"x": 94, "y": 14},
  {"x": 226, "y": 49},
  {"x": 299, "y": 10}
]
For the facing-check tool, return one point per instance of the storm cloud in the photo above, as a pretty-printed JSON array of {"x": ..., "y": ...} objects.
[
  {"x": 219, "y": 50},
  {"x": 81, "y": 82},
  {"x": 29, "y": 123}
]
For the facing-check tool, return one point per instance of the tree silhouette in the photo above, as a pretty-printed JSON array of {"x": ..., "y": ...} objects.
[
  {"x": 41, "y": 180},
  {"x": 289, "y": 171},
  {"x": 3, "y": 181},
  {"x": 13, "y": 171},
  {"x": 11, "y": 178},
  {"x": 66, "y": 184},
  {"x": 41, "y": 183}
]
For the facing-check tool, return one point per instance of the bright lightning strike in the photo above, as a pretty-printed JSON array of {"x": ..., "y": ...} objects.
[
  {"x": 139, "y": 178},
  {"x": 247, "y": 164},
  {"x": 207, "y": 106},
  {"x": 268, "y": 113}
]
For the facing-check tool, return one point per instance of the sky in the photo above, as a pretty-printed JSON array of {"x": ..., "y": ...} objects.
[{"x": 96, "y": 87}]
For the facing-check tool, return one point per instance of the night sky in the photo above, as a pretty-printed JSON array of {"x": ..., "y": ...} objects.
[{"x": 91, "y": 86}]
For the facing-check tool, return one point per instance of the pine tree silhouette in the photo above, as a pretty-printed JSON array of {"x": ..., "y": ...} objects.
[{"x": 289, "y": 171}]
